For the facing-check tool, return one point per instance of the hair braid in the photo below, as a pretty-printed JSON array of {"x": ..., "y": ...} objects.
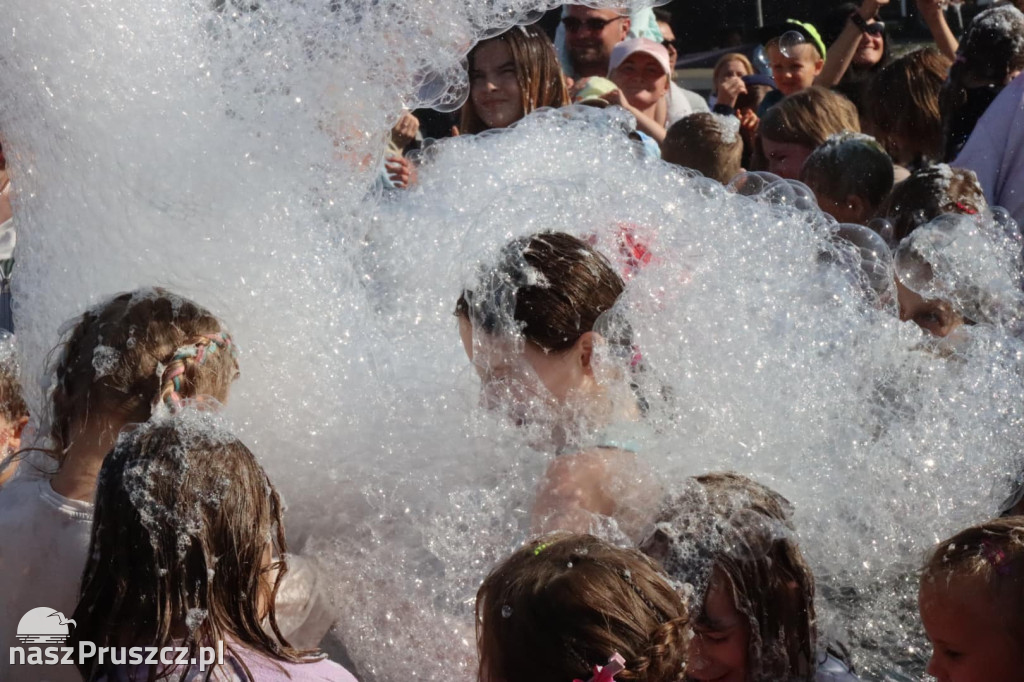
[
  {"x": 665, "y": 657},
  {"x": 185, "y": 364}
]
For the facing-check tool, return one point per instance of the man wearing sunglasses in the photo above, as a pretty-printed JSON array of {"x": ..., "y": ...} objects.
[{"x": 590, "y": 35}]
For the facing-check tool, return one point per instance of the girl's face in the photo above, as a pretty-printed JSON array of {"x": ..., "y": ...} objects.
[
  {"x": 729, "y": 70},
  {"x": 971, "y": 642},
  {"x": 493, "y": 87},
  {"x": 930, "y": 314},
  {"x": 785, "y": 159},
  {"x": 871, "y": 48},
  {"x": 642, "y": 80},
  {"x": 522, "y": 379},
  {"x": 719, "y": 648}
]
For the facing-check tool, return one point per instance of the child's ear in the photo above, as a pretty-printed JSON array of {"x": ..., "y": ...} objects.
[
  {"x": 818, "y": 66},
  {"x": 584, "y": 347}
]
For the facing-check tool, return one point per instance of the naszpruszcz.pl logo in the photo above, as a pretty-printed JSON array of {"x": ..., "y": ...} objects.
[{"x": 44, "y": 631}]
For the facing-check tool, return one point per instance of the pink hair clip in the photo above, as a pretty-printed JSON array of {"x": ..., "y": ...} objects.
[{"x": 616, "y": 664}]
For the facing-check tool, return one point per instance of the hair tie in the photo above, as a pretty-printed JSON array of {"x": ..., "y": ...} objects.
[
  {"x": 968, "y": 210},
  {"x": 616, "y": 664},
  {"x": 996, "y": 557},
  {"x": 198, "y": 352}
]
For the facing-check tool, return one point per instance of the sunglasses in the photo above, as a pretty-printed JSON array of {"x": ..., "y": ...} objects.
[
  {"x": 875, "y": 29},
  {"x": 573, "y": 25},
  {"x": 669, "y": 44}
]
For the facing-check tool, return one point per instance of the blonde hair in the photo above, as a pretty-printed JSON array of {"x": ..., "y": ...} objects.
[
  {"x": 809, "y": 117},
  {"x": 700, "y": 142},
  {"x": 565, "y": 603},
  {"x": 724, "y": 61},
  {"x": 537, "y": 71}
]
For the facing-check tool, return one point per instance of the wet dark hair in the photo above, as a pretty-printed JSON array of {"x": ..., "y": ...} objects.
[
  {"x": 742, "y": 530},
  {"x": 184, "y": 516},
  {"x": 928, "y": 193},
  {"x": 551, "y": 286},
  {"x": 565, "y": 603},
  {"x": 850, "y": 164}
]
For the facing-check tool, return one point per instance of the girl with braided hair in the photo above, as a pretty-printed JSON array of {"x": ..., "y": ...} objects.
[
  {"x": 732, "y": 539},
  {"x": 120, "y": 361},
  {"x": 972, "y": 603},
  {"x": 565, "y": 603}
]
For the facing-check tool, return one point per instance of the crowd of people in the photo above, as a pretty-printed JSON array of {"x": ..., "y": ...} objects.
[{"x": 140, "y": 516}]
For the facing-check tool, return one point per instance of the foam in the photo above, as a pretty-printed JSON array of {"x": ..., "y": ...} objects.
[{"x": 231, "y": 157}]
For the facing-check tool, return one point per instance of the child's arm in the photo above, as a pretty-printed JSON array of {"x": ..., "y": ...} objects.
[
  {"x": 933, "y": 15},
  {"x": 644, "y": 123},
  {"x": 840, "y": 54}
]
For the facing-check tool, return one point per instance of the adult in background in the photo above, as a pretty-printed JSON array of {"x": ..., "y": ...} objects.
[
  {"x": 681, "y": 102},
  {"x": 859, "y": 51},
  {"x": 590, "y": 36},
  {"x": 995, "y": 150}
]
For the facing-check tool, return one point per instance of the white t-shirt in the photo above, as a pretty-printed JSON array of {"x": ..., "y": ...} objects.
[{"x": 44, "y": 541}]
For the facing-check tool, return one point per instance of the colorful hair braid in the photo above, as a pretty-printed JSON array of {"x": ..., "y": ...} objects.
[{"x": 195, "y": 353}]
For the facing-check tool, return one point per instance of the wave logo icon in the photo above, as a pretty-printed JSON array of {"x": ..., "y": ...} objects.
[{"x": 44, "y": 626}]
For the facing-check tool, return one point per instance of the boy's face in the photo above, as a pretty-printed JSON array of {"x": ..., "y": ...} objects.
[{"x": 796, "y": 72}]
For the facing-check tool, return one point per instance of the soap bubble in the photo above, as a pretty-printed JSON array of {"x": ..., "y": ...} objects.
[
  {"x": 788, "y": 42},
  {"x": 233, "y": 155}
]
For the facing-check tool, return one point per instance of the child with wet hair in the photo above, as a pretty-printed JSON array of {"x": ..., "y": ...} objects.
[
  {"x": 538, "y": 327},
  {"x": 118, "y": 362},
  {"x": 798, "y": 125},
  {"x": 566, "y": 603},
  {"x": 929, "y": 192},
  {"x": 186, "y": 525},
  {"x": 14, "y": 414},
  {"x": 991, "y": 55},
  {"x": 972, "y": 603},
  {"x": 960, "y": 270},
  {"x": 732, "y": 539},
  {"x": 850, "y": 175},
  {"x": 708, "y": 143}
]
